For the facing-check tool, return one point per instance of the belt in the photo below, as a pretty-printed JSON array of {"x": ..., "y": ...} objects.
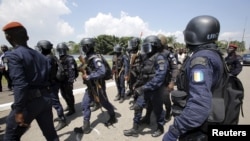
[{"x": 34, "y": 93}]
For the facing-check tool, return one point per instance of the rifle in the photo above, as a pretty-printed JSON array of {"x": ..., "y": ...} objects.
[
  {"x": 132, "y": 60},
  {"x": 82, "y": 68}
]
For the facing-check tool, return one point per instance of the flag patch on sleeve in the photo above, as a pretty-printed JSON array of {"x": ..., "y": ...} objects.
[{"x": 198, "y": 76}]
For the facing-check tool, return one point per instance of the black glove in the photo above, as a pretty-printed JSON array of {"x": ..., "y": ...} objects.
[{"x": 139, "y": 91}]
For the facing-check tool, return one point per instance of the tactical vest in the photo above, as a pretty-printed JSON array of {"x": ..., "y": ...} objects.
[
  {"x": 118, "y": 61},
  {"x": 181, "y": 79},
  {"x": 147, "y": 70},
  {"x": 135, "y": 66}
]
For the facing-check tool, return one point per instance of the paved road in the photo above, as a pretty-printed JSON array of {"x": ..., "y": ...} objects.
[{"x": 100, "y": 132}]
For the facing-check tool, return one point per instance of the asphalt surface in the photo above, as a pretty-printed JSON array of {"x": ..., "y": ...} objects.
[{"x": 99, "y": 131}]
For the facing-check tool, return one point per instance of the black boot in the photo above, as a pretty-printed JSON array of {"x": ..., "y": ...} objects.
[
  {"x": 111, "y": 121},
  {"x": 71, "y": 111},
  {"x": 95, "y": 107},
  {"x": 61, "y": 124},
  {"x": 159, "y": 131},
  {"x": 121, "y": 100},
  {"x": 117, "y": 97},
  {"x": 168, "y": 117},
  {"x": 133, "y": 131},
  {"x": 85, "y": 129},
  {"x": 145, "y": 120}
]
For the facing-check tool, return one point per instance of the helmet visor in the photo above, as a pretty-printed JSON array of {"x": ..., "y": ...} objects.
[{"x": 146, "y": 48}]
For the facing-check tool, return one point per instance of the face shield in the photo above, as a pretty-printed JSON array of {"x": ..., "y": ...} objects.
[
  {"x": 38, "y": 48},
  {"x": 132, "y": 47},
  {"x": 146, "y": 48},
  {"x": 84, "y": 49},
  {"x": 61, "y": 52},
  {"x": 117, "y": 49}
]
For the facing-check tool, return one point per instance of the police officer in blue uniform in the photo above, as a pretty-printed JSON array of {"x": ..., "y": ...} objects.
[
  {"x": 45, "y": 48},
  {"x": 152, "y": 84},
  {"x": 29, "y": 71},
  {"x": 120, "y": 68},
  {"x": 201, "y": 71},
  {"x": 66, "y": 86},
  {"x": 3, "y": 71},
  {"x": 93, "y": 77},
  {"x": 171, "y": 75},
  {"x": 233, "y": 60}
]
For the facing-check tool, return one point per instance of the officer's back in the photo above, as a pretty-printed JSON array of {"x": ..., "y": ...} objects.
[{"x": 200, "y": 72}]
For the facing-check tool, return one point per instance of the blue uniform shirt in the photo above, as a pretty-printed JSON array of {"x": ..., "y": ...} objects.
[
  {"x": 98, "y": 71},
  {"x": 28, "y": 69},
  {"x": 201, "y": 80}
]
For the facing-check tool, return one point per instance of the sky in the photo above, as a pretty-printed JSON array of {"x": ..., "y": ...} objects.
[{"x": 71, "y": 20}]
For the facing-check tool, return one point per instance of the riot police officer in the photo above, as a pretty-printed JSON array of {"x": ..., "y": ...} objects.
[
  {"x": 200, "y": 72},
  {"x": 45, "y": 47},
  {"x": 120, "y": 68},
  {"x": 3, "y": 69},
  {"x": 233, "y": 60},
  {"x": 151, "y": 85},
  {"x": 66, "y": 85},
  {"x": 134, "y": 66},
  {"x": 29, "y": 71},
  {"x": 171, "y": 57},
  {"x": 93, "y": 77}
]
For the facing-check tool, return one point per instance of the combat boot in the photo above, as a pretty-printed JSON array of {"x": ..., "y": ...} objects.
[
  {"x": 121, "y": 100},
  {"x": 111, "y": 121},
  {"x": 117, "y": 97},
  {"x": 85, "y": 129},
  {"x": 168, "y": 117},
  {"x": 71, "y": 111},
  {"x": 133, "y": 131},
  {"x": 159, "y": 131},
  {"x": 145, "y": 120},
  {"x": 61, "y": 124}
]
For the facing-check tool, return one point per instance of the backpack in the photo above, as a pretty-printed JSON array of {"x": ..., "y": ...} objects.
[
  {"x": 108, "y": 74},
  {"x": 60, "y": 74},
  {"x": 227, "y": 98},
  {"x": 76, "y": 70}
]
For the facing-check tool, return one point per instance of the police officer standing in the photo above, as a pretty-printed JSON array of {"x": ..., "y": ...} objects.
[
  {"x": 152, "y": 83},
  {"x": 93, "y": 77},
  {"x": 134, "y": 66},
  {"x": 3, "y": 69},
  {"x": 120, "y": 68},
  {"x": 29, "y": 71},
  {"x": 233, "y": 60},
  {"x": 66, "y": 86},
  {"x": 45, "y": 48},
  {"x": 201, "y": 71},
  {"x": 173, "y": 71}
]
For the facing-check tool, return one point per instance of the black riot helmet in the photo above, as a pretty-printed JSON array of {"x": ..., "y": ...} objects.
[
  {"x": 44, "y": 46},
  {"x": 87, "y": 45},
  {"x": 151, "y": 44},
  {"x": 62, "y": 49},
  {"x": 4, "y": 48},
  {"x": 133, "y": 45},
  {"x": 201, "y": 30},
  {"x": 117, "y": 49}
]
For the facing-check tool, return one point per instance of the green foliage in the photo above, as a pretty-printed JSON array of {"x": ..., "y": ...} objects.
[{"x": 105, "y": 44}]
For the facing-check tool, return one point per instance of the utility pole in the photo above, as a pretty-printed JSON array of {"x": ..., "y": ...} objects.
[{"x": 242, "y": 41}]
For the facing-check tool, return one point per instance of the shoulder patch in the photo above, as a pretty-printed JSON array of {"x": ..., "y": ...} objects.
[
  {"x": 198, "y": 76},
  {"x": 198, "y": 61}
]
